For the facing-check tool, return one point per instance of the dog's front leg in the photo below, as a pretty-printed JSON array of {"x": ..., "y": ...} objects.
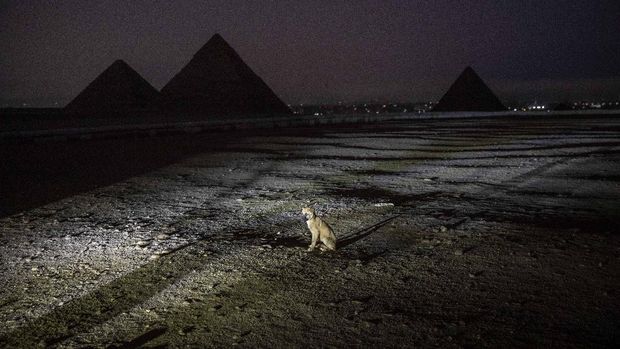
[{"x": 315, "y": 238}]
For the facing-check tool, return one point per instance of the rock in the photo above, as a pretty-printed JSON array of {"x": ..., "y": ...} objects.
[
  {"x": 143, "y": 243},
  {"x": 443, "y": 229},
  {"x": 475, "y": 274},
  {"x": 458, "y": 252},
  {"x": 153, "y": 257},
  {"x": 163, "y": 237},
  {"x": 384, "y": 204},
  {"x": 451, "y": 330}
]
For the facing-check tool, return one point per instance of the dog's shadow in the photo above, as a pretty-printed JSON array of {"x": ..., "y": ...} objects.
[{"x": 364, "y": 232}]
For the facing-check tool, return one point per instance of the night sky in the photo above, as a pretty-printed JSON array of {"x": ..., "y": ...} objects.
[{"x": 319, "y": 51}]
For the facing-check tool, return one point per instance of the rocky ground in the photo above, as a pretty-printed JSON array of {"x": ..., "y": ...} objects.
[{"x": 491, "y": 232}]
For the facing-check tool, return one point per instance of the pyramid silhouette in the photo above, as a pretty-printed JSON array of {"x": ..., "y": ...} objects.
[
  {"x": 118, "y": 90},
  {"x": 217, "y": 81},
  {"x": 469, "y": 93}
]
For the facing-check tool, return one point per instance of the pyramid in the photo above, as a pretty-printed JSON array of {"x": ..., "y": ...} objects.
[
  {"x": 119, "y": 90},
  {"x": 469, "y": 93},
  {"x": 216, "y": 81}
]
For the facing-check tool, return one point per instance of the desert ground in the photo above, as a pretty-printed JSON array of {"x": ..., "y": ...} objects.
[{"x": 475, "y": 232}]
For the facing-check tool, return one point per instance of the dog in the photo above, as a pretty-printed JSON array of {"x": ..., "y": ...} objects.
[{"x": 320, "y": 230}]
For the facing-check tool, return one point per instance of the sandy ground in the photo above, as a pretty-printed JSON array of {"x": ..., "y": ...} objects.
[{"x": 452, "y": 233}]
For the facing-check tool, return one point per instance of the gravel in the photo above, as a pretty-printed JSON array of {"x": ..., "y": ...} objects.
[{"x": 451, "y": 233}]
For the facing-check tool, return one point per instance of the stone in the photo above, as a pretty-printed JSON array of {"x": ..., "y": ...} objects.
[
  {"x": 384, "y": 204},
  {"x": 143, "y": 243}
]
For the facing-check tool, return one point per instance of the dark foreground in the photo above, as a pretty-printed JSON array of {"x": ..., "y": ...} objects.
[{"x": 452, "y": 233}]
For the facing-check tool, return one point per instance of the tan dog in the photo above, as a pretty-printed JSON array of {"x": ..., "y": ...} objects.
[{"x": 320, "y": 230}]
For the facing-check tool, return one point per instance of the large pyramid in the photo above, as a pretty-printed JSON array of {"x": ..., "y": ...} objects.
[
  {"x": 119, "y": 90},
  {"x": 217, "y": 82},
  {"x": 469, "y": 93}
]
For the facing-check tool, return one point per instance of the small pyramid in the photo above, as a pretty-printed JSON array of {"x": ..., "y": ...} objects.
[
  {"x": 119, "y": 90},
  {"x": 469, "y": 93},
  {"x": 216, "y": 81}
]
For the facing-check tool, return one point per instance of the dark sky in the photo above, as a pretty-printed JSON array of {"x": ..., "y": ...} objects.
[{"x": 319, "y": 51}]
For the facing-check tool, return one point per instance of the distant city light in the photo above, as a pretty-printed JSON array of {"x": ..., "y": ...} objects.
[{"x": 376, "y": 108}]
